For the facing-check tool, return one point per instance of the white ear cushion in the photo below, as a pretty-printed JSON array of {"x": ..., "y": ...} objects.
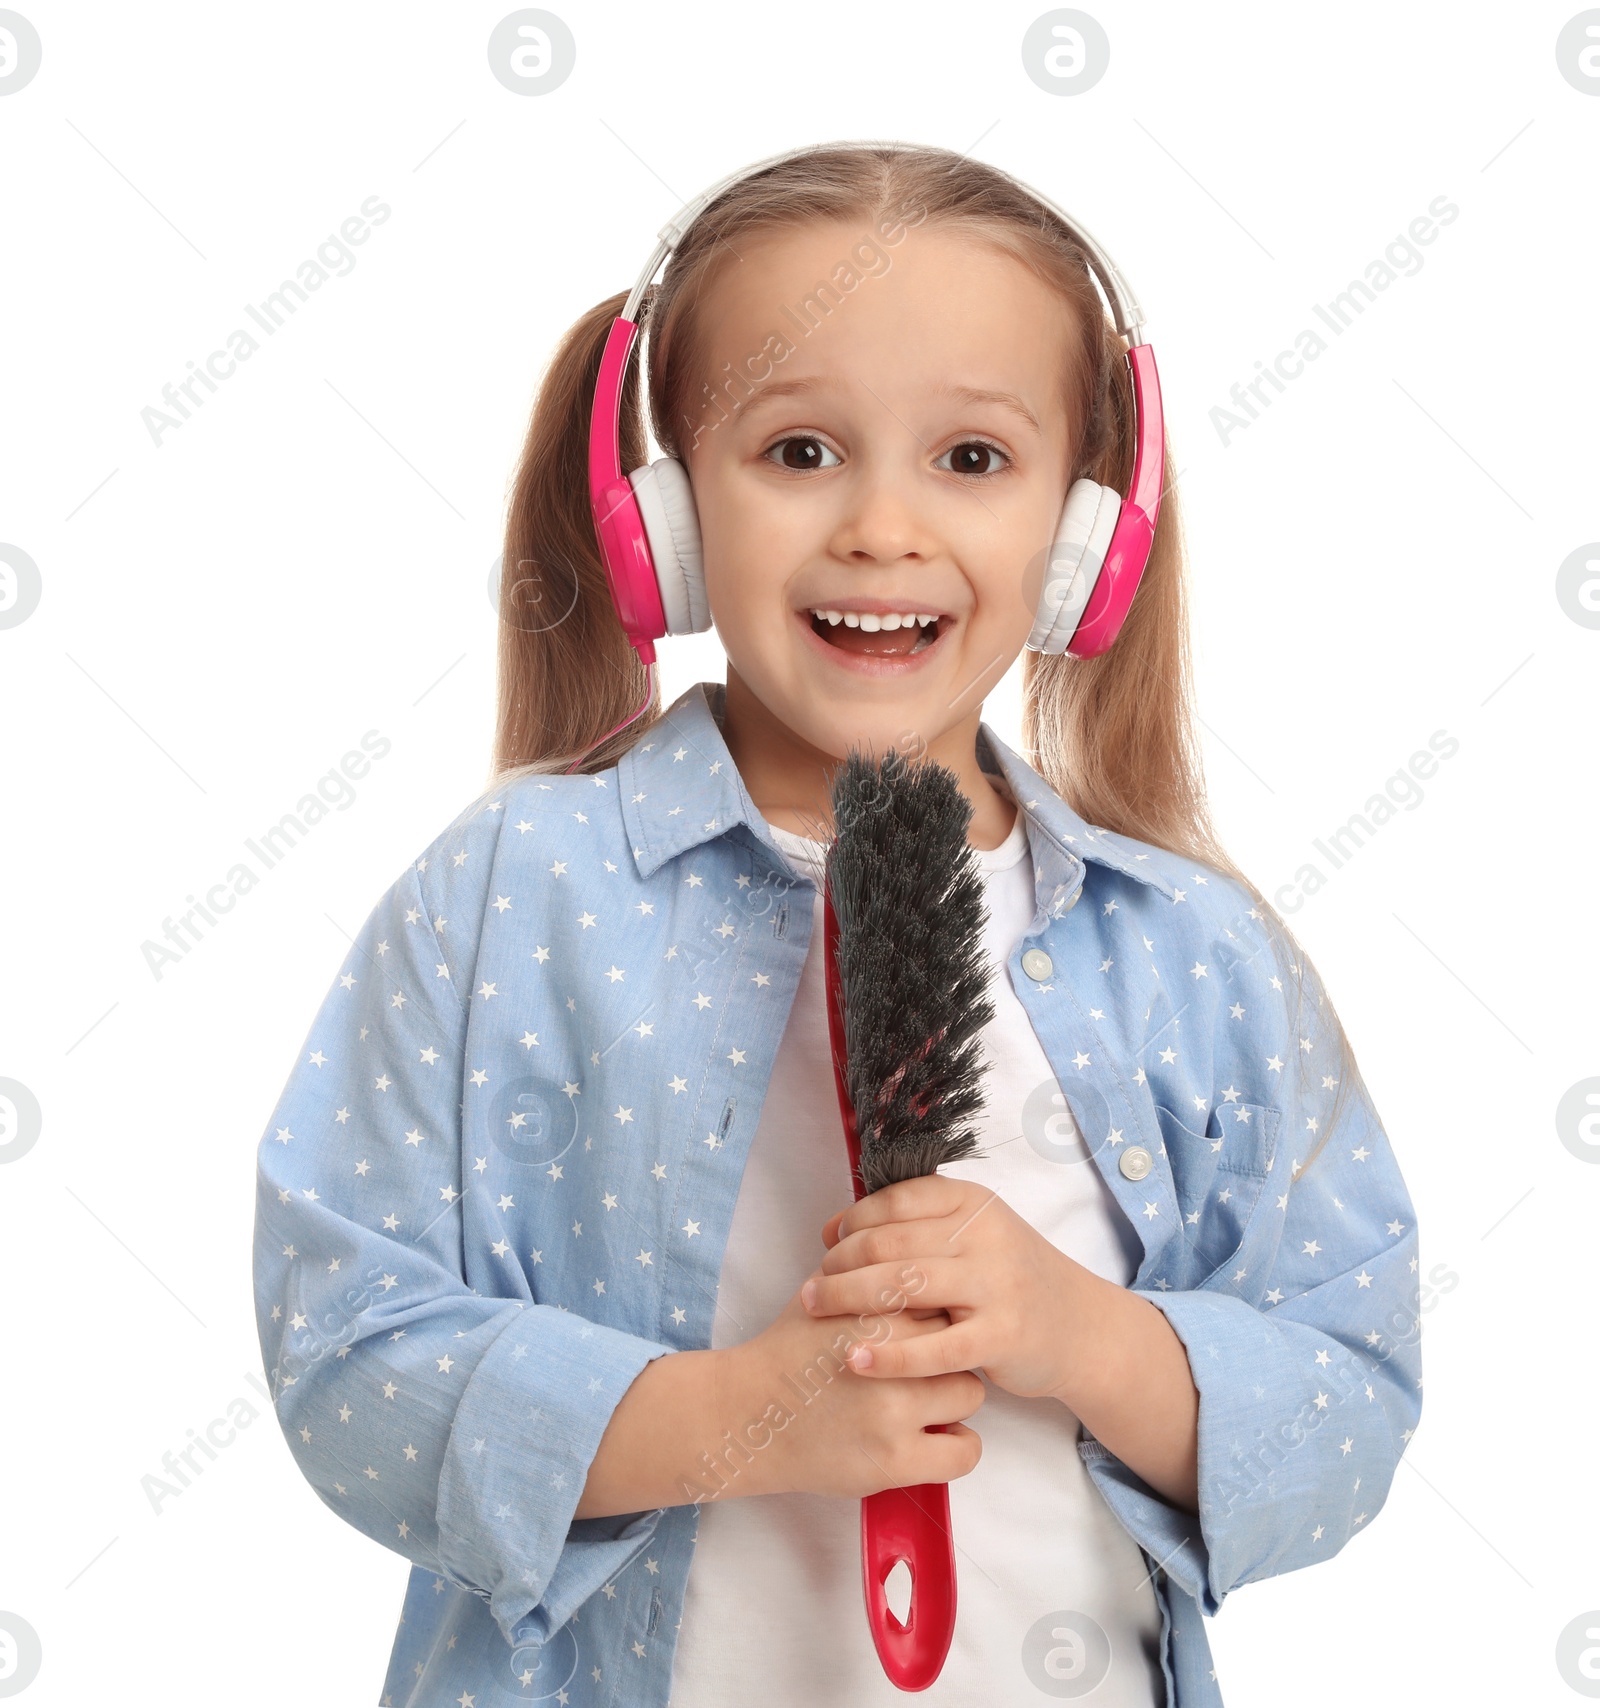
[
  {"x": 666, "y": 503},
  {"x": 1077, "y": 555}
]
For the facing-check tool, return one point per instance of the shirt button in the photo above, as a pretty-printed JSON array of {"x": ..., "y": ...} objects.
[
  {"x": 1037, "y": 964},
  {"x": 1135, "y": 1164}
]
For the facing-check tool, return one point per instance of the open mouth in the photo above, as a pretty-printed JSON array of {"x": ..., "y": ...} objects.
[{"x": 869, "y": 636}]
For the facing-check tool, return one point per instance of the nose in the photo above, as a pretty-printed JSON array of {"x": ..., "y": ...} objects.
[{"x": 881, "y": 520}]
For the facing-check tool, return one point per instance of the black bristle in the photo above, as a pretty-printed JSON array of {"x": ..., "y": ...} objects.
[{"x": 909, "y": 898}]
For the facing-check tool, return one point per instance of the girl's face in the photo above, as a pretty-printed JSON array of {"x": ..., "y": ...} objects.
[{"x": 910, "y": 453}]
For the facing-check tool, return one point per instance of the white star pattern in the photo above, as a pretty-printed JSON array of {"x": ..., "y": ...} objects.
[{"x": 622, "y": 959}]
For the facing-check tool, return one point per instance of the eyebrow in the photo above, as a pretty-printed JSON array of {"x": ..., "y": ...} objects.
[
  {"x": 960, "y": 393},
  {"x": 1005, "y": 399},
  {"x": 765, "y": 389}
]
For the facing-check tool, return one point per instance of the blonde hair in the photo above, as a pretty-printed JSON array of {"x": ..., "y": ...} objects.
[{"x": 1113, "y": 735}]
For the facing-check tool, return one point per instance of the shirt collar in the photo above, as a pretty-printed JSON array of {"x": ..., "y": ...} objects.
[
  {"x": 679, "y": 788},
  {"x": 1061, "y": 841}
]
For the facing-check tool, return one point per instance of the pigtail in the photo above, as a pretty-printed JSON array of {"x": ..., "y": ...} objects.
[
  {"x": 1113, "y": 735},
  {"x": 567, "y": 672}
]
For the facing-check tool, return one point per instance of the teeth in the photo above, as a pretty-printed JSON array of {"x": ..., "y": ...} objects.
[{"x": 872, "y": 621}]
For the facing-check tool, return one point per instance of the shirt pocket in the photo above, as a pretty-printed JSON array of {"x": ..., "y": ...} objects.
[{"x": 1224, "y": 1179}]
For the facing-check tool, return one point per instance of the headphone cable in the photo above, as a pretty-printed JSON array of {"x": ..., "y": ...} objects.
[{"x": 649, "y": 689}]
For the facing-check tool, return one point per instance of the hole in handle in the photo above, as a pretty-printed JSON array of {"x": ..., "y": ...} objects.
[{"x": 897, "y": 1591}]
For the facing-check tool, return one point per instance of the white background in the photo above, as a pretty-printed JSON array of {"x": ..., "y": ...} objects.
[{"x": 308, "y": 558}]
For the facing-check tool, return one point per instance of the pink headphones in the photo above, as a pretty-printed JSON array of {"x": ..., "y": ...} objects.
[{"x": 649, "y": 533}]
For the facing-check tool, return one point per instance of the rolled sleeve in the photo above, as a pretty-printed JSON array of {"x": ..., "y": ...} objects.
[
  {"x": 525, "y": 1434},
  {"x": 1232, "y": 1352}
]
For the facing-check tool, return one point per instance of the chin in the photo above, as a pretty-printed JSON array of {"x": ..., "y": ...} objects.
[{"x": 882, "y": 718}]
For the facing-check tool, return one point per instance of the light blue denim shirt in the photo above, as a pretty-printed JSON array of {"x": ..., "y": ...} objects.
[{"x": 500, "y": 1179}]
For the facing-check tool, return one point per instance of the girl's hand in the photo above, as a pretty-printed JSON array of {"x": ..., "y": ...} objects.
[
  {"x": 793, "y": 1416},
  {"x": 1015, "y": 1303}
]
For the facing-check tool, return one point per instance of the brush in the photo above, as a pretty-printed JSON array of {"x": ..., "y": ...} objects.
[{"x": 907, "y": 984}]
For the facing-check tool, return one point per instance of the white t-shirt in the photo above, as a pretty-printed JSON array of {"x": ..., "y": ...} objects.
[{"x": 774, "y": 1611}]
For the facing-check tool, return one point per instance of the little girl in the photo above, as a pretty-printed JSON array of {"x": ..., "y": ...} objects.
[{"x": 562, "y": 1287}]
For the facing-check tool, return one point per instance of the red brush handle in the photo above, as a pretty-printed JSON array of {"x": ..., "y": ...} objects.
[{"x": 910, "y": 1524}]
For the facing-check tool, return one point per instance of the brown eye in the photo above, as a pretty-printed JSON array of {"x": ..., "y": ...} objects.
[
  {"x": 975, "y": 457},
  {"x": 800, "y": 453}
]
